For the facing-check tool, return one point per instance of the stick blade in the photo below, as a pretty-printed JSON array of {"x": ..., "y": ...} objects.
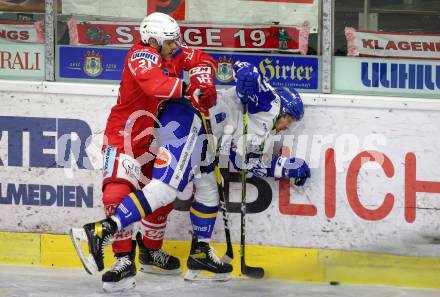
[{"x": 253, "y": 272}]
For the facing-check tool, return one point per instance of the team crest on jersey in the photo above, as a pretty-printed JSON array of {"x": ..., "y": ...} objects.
[
  {"x": 132, "y": 169},
  {"x": 163, "y": 158},
  {"x": 93, "y": 63},
  {"x": 144, "y": 55},
  {"x": 225, "y": 73}
]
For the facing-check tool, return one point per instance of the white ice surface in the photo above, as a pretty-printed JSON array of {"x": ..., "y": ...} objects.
[{"x": 46, "y": 282}]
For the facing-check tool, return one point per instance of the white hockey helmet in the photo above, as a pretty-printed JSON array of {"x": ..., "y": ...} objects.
[{"x": 159, "y": 26}]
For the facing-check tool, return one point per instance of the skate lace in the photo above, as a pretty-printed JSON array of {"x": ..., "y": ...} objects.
[
  {"x": 213, "y": 256},
  {"x": 121, "y": 264},
  {"x": 108, "y": 240},
  {"x": 160, "y": 257}
]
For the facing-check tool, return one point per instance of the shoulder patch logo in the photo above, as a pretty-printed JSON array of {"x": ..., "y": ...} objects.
[{"x": 144, "y": 55}]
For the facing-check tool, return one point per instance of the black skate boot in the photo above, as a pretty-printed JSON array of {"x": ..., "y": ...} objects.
[
  {"x": 121, "y": 276},
  {"x": 157, "y": 261},
  {"x": 96, "y": 235},
  {"x": 203, "y": 258}
]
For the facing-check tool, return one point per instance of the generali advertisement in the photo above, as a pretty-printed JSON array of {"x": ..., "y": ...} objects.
[
  {"x": 375, "y": 182},
  {"x": 25, "y": 61}
]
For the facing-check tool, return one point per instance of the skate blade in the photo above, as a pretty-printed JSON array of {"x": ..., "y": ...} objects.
[
  {"x": 157, "y": 270},
  {"x": 120, "y": 286},
  {"x": 198, "y": 275},
  {"x": 78, "y": 235}
]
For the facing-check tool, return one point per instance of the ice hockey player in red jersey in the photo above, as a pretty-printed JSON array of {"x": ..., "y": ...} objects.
[
  {"x": 150, "y": 77},
  {"x": 182, "y": 137}
]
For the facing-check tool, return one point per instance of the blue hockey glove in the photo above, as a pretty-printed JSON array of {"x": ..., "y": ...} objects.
[{"x": 247, "y": 80}]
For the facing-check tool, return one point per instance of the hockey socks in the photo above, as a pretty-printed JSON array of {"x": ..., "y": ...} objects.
[
  {"x": 203, "y": 220},
  {"x": 132, "y": 209},
  {"x": 153, "y": 227}
]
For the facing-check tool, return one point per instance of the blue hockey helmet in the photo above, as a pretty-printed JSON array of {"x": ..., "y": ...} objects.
[{"x": 291, "y": 103}]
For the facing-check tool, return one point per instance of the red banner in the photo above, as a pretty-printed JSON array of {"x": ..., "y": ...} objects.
[
  {"x": 30, "y": 32},
  {"x": 219, "y": 37},
  {"x": 174, "y": 8}
]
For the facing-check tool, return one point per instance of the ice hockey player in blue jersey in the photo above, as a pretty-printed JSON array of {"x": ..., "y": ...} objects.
[
  {"x": 270, "y": 112},
  {"x": 184, "y": 157}
]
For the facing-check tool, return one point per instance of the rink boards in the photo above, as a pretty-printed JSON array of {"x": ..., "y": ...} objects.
[{"x": 374, "y": 189}]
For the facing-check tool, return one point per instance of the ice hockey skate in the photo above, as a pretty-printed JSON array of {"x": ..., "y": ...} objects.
[
  {"x": 157, "y": 261},
  {"x": 204, "y": 265},
  {"x": 96, "y": 235},
  {"x": 120, "y": 277}
]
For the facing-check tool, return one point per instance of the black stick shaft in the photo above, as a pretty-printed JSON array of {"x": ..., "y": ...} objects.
[
  {"x": 253, "y": 272},
  {"x": 243, "y": 191}
]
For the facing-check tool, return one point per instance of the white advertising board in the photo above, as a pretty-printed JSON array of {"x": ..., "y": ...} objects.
[
  {"x": 386, "y": 200},
  {"x": 387, "y": 76},
  {"x": 286, "y": 12},
  {"x": 289, "y": 12},
  {"x": 124, "y": 8},
  {"x": 23, "y": 61}
]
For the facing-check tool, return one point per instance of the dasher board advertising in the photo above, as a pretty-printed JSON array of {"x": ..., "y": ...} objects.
[{"x": 388, "y": 76}]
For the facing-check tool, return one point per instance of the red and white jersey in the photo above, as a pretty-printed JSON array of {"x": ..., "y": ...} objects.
[{"x": 147, "y": 81}]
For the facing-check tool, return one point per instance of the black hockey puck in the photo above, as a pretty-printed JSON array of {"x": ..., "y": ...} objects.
[{"x": 334, "y": 283}]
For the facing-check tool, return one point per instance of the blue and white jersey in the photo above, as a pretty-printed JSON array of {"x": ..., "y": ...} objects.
[
  {"x": 183, "y": 147},
  {"x": 227, "y": 122}
]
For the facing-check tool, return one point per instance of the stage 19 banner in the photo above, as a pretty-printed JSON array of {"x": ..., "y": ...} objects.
[{"x": 218, "y": 37}]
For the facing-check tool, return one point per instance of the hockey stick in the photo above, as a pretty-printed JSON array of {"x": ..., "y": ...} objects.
[
  {"x": 253, "y": 272},
  {"x": 229, "y": 255}
]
